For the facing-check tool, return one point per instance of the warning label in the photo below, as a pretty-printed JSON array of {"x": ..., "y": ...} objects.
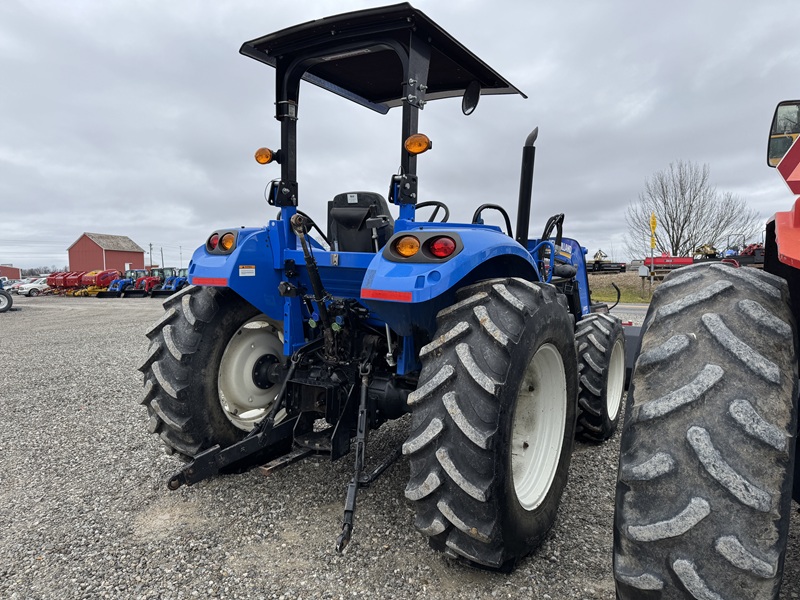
[{"x": 247, "y": 270}]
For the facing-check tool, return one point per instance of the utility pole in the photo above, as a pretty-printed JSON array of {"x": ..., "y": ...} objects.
[
  {"x": 151, "y": 254},
  {"x": 180, "y": 250},
  {"x": 162, "y": 256}
]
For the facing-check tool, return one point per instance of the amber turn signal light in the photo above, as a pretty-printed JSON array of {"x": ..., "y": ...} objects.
[
  {"x": 264, "y": 156},
  {"x": 417, "y": 143},
  {"x": 407, "y": 246},
  {"x": 226, "y": 242}
]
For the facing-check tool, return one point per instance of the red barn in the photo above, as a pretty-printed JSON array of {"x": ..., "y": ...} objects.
[
  {"x": 98, "y": 251},
  {"x": 10, "y": 272}
]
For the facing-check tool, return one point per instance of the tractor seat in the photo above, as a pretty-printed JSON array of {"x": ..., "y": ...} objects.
[{"x": 351, "y": 217}]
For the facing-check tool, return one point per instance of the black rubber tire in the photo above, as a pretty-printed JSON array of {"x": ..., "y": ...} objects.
[
  {"x": 707, "y": 452},
  {"x": 461, "y": 482},
  {"x": 601, "y": 372},
  {"x": 6, "y": 301},
  {"x": 127, "y": 287},
  {"x": 33, "y": 292},
  {"x": 182, "y": 367},
  {"x": 156, "y": 288}
]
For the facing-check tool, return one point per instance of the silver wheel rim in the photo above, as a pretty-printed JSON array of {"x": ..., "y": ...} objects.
[
  {"x": 537, "y": 430},
  {"x": 242, "y": 401},
  {"x": 616, "y": 380},
  {"x": 3, "y": 301}
]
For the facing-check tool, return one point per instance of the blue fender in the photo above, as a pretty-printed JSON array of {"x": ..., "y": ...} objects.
[
  {"x": 407, "y": 295},
  {"x": 250, "y": 270}
]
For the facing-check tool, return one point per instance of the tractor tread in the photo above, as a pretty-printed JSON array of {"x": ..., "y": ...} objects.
[
  {"x": 596, "y": 336},
  {"x": 746, "y": 355},
  {"x": 732, "y": 550},
  {"x": 657, "y": 465},
  {"x": 180, "y": 397},
  {"x": 756, "y": 426},
  {"x": 706, "y": 458},
  {"x": 456, "y": 482}
]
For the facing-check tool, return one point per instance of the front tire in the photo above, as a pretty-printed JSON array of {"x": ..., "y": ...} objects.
[
  {"x": 706, "y": 461},
  {"x": 601, "y": 370},
  {"x": 493, "y": 420},
  {"x": 5, "y": 301},
  {"x": 202, "y": 382},
  {"x": 33, "y": 292}
]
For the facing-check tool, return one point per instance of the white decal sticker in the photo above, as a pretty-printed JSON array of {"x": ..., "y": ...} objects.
[{"x": 247, "y": 270}]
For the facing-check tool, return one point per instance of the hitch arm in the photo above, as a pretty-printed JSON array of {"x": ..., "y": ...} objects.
[
  {"x": 361, "y": 479},
  {"x": 361, "y": 445},
  {"x": 210, "y": 462}
]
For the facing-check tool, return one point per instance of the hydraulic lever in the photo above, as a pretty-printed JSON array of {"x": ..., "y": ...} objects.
[{"x": 299, "y": 224}]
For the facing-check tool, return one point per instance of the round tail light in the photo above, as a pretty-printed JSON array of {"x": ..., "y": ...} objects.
[
  {"x": 441, "y": 247},
  {"x": 213, "y": 241},
  {"x": 226, "y": 242},
  {"x": 407, "y": 246}
]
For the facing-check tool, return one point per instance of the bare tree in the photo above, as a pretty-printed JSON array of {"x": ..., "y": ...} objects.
[{"x": 690, "y": 212}]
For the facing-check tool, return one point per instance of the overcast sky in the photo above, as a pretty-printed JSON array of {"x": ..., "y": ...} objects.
[{"x": 141, "y": 118}]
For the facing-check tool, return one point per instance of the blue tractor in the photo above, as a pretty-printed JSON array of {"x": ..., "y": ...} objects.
[
  {"x": 173, "y": 283},
  {"x": 290, "y": 343},
  {"x": 124, "y": 284}
]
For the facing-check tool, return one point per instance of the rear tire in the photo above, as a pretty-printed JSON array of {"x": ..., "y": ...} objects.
[
  {"x": 199, "y": 376},
  {"x": 601, "y": 369},
  {"x": 706, "y": 462},
  {"x": 493, "y": 421}
]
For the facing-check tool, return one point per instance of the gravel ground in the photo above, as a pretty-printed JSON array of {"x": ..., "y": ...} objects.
[{"x": 85, "y": 512}]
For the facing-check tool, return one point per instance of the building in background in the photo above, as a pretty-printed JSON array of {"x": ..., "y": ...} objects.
[
  {"x": 98, "y": 251},
  {"x": 10, "y": 272}
]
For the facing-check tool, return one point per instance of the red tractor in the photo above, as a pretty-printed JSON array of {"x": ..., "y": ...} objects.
[
  {"x": 708, "y": 450},
  {"x": 144, "y": 285}
]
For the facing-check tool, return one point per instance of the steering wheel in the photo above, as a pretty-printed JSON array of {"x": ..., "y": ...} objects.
[{"x": 438, "y": 205}]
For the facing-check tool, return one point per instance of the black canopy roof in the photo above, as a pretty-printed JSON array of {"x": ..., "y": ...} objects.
[{"x": 354, "y": 56}]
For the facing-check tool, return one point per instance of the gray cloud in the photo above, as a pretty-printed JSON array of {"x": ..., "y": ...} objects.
[{"x": 141, "y": 118}]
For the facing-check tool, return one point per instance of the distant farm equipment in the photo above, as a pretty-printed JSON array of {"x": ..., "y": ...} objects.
[
  {"x": 94, "y": 282},
  {"x": 124, "y": 283},
  {"x": 599, "y": 264},
  {"x": 172, "y": 284},
  {"x": 751, "y": 255},
  {"x": 145, "y": 285}
]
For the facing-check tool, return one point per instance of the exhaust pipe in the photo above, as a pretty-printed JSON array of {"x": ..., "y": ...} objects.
[{"x": 526, "y": 188}]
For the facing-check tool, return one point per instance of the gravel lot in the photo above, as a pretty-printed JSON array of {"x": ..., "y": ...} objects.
[{"x": 85, "y": 512}]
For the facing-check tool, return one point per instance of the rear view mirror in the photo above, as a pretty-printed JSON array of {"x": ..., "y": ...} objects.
[
  {"x": 784, "y": 131},
  {"x": 471, "y": 96}
]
